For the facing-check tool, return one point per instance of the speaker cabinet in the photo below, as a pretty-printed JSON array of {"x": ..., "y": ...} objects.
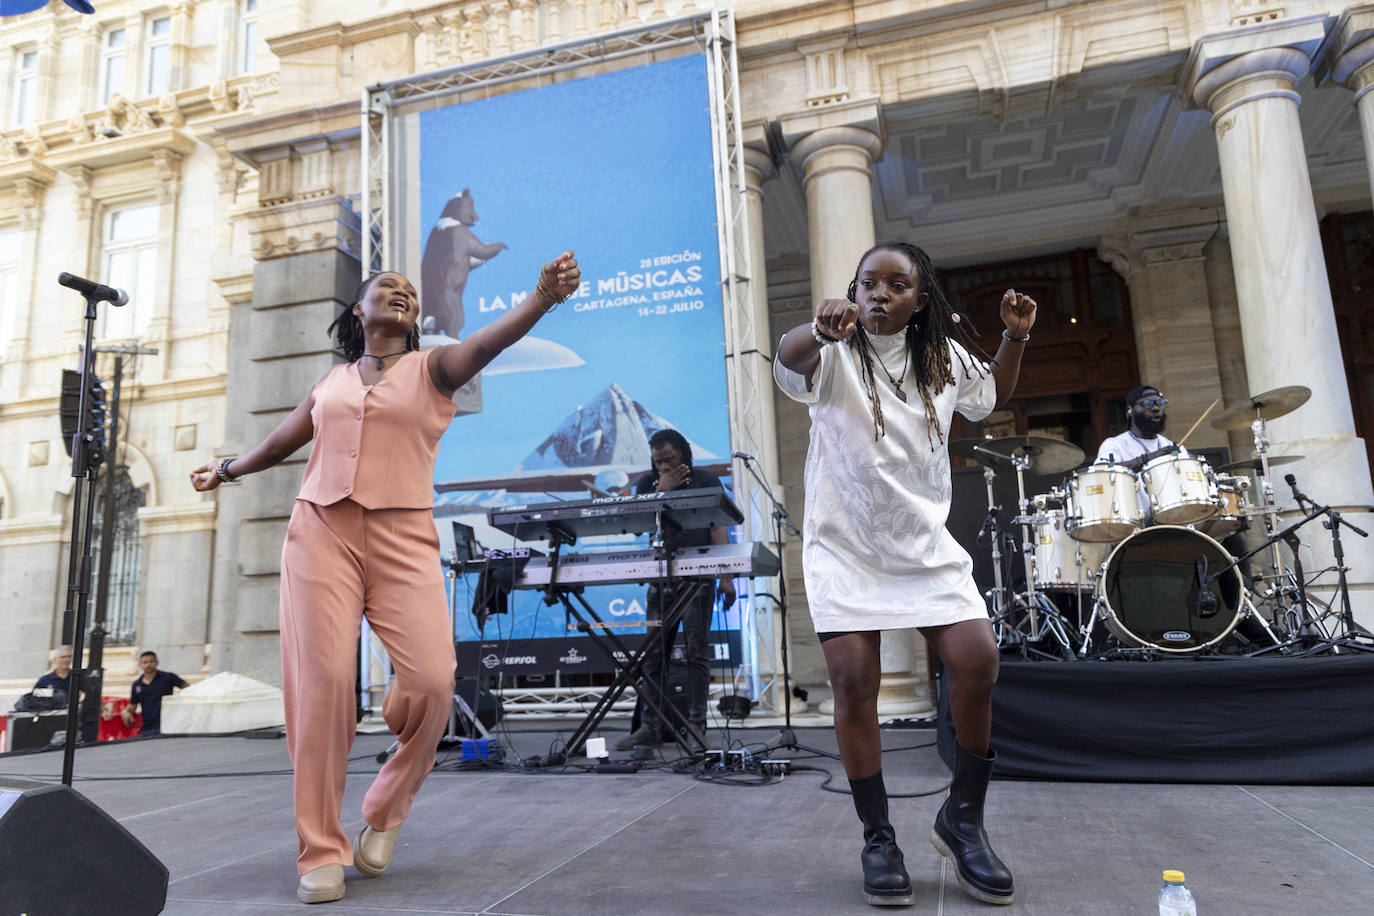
[{"x": 60, "y": 854}]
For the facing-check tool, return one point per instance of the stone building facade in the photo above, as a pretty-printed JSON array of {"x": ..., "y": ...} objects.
[{"x": 1207, "y": 157}]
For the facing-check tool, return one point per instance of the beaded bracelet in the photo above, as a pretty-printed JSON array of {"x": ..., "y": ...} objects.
[
  {"x": 222, "y": 470},
  {"x": 822, "y": 338},
  {"x": 1006, "y": 336}
]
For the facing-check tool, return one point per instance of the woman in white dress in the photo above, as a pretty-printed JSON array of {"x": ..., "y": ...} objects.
[{"x": 883, "y": 374}]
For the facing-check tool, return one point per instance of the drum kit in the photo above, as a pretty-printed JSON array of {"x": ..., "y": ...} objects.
[{"x": 1137, "y": 546}]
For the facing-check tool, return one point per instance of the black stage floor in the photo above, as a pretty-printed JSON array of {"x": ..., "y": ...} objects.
[{"x": 217, "y": 812}]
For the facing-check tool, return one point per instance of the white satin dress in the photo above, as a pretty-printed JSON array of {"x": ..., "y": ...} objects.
[{"x": 876, "y": 553}]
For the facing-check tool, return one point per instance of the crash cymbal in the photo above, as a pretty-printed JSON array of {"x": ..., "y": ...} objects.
[
  {"x": 1271, "y": 404},
  {"x": 1046, "y": 455},
  {"x": 1253, "y": 464}
]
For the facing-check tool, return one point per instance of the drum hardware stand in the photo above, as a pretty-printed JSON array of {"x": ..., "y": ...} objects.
[
  {"x": 1044, "y": 618},
  {"x": 993, "y": 529}
]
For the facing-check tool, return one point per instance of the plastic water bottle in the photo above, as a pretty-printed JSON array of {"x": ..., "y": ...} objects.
[{"x": 1174, "y": 897}]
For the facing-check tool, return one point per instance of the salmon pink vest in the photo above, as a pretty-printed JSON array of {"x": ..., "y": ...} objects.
[{"x": 376, "y": 444}]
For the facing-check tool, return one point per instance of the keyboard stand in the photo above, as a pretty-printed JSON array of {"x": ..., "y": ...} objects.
[{"x": 629, "y": 663}]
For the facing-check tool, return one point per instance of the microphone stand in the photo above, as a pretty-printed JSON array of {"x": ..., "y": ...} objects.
[
  {"x": 87, "y": 457},
  {"x": 1350, "y": 630},
  {"x": 781, "y": 520}
]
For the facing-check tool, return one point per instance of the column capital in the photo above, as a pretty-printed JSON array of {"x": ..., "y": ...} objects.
[
  {"x": 1345, "y": 56},
  {"x": 758, "y": 158},
  {"x": 858, "y": 123},
  {"x": 1254, "y": 62}
]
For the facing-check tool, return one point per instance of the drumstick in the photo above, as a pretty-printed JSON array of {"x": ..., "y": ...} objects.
[{"x": 1199, "y": 421}]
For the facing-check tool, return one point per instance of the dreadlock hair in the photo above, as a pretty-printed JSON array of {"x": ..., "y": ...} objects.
[
  {"x": 347, "y": 329},
  {"x": 927, "y": 334}
]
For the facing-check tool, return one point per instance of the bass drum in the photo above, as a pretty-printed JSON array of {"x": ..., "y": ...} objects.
[{"x": 1150, "y": 597}]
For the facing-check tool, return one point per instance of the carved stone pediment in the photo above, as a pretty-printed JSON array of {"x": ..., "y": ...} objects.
[{"x": 121, "y": 150}]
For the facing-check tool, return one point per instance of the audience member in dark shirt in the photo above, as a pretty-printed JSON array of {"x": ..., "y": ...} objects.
[
  {"x": 60, "y": 677},
  {"x": 147, "y": 693}
]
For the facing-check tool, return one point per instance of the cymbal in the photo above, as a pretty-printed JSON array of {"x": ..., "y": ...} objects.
[
  {"x": 1253, "y": 464},
  {"x": 1271, "y": 404},
  {"x": 1046, "y": 455},
  {"x": 964, "y": 448}
]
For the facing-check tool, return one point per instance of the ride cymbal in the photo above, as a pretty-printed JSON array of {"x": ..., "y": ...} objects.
[
  {"x": 1271, "y": 404},
  {"x": 1253, "y": 465}
]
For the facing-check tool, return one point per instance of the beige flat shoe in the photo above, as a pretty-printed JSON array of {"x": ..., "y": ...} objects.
[
  {"x": 321, "y": 885},
  {"x": 372, "y": 850}
]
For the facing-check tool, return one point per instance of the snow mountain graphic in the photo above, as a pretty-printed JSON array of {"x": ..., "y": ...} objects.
[
  {"x": 613, "y": 429},
  {"x": 609, "y": 433}
]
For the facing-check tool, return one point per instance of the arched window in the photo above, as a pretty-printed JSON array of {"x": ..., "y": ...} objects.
[{"x": 126, "y": 558}]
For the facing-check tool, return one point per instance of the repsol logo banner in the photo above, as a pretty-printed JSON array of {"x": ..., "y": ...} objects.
[{"x": 536, "y": 656}]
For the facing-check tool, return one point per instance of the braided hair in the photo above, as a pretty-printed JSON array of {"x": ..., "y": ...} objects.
[
  {"x": 347, "y": 329},
  {"x": 927, "y": 334}
]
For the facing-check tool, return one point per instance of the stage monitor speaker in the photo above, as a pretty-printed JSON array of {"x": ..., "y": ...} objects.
[{"x": 60, "y": 854}]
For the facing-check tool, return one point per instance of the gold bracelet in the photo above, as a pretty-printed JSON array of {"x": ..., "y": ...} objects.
[{"x": 543, "y": 287}]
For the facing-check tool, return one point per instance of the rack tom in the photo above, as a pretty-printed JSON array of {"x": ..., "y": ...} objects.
[
  {"x": 1230, "y": 516},
  {"x": 1182, "y": 489},
  {"x": 1102, "y": 504}
]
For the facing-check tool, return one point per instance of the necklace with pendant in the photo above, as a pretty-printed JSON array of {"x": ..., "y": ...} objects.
[
  {"x": 896, "y": 382},
  {"x": 385, "y": 356}
]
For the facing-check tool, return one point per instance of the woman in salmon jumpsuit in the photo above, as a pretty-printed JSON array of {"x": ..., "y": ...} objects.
[{"x": 361, "y": 541}]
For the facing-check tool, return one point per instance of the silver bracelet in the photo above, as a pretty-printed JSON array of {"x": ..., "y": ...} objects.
[
  {"x": 1006, "y": 336},
  {"x": 222, "y": 470},
  {"x": 822, "y": 338}
]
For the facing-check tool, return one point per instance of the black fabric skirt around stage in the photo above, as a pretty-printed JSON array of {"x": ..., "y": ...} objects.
[{"x": 1292, "y": 721}]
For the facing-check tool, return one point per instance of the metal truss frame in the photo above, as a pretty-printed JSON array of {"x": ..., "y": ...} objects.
[{"x": 748, "y": 382}]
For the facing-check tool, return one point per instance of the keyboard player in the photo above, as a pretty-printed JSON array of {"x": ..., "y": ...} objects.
[{"x": 673, "y": 470}]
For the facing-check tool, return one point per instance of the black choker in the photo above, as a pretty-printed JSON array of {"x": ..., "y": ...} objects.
[{"x": 380, "y": 365}]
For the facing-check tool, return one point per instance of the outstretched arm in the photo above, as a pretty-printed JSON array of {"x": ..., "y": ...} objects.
[
  {"x": 293, "y": 432},
  {"x": 453, "y": 366}
]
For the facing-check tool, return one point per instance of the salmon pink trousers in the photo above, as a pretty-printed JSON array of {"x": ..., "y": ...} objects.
[{"x": 339, "y": 563}]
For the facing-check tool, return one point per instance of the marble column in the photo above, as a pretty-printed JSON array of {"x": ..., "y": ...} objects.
[
  {"x": 1347, "y": 58},
  {"x": 1246, "y": 78},
  {"x": 837, "y": 175},
  {"x": 835, "y": 146}
]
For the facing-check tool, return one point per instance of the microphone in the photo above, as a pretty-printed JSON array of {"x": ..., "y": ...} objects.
[
  {"x": 1202, "y": 602},
  {"x": 744, "y": 456},
  {"x": 985, "y": 533},
  {"x": 1298, "y": 495},
  {"x": 92, "y": 290}
]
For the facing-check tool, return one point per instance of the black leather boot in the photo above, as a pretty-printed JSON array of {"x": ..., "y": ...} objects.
[
  {"x": 885, "y": 879},
  {"x": 959, "y": 834}
]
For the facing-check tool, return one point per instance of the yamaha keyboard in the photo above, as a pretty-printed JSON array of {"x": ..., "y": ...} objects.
[
  {"x": 627, "y": 566},
  {"x": 679, "y": 510}
]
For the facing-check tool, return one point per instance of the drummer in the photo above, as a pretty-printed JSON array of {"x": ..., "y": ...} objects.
[{"x": 1143, "y": 439}]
